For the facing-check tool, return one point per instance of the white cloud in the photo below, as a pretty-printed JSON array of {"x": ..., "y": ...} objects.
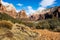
[
  {"x": 30, "y": 10},
  {"x": 20, "y": 4},
  {"x": 17, "y": 11},
  {"x": 45, "y": 3},
  {"x": 5, "y": 3},
  {"x": 41, "y": 8}
]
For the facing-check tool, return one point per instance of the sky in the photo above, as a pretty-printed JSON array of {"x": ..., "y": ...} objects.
[{"x": 31, "y": 6}]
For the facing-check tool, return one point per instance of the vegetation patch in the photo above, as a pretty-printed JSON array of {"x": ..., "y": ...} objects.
[{"x": 6, "y": 24}]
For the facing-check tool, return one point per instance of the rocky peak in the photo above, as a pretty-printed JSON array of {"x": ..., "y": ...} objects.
[
  {"x": 9, "y": 9},
  {"x": 22, "y": 14}
]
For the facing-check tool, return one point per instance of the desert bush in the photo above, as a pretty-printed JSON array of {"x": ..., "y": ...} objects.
[
  {"x": 5, "y": 24},
  {"x": 43, "y": 25},
  {"x": 50, "y": 24},
  {"x": 57, "y": 29},
  {"x": 53, "y": 23}
]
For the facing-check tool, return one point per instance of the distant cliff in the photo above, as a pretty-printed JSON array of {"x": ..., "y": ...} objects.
[{"x": 46, "y": 14}]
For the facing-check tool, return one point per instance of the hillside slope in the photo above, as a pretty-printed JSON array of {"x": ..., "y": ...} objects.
[
  {"x": 22, "y": 32},
  {"x": 4, "y": 16}
]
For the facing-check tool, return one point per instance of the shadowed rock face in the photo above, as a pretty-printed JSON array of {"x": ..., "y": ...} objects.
[
  {"x": 48, "y": 14},
  {"x": 56, "y": 13},
  {"x": 41, "y": 16}
]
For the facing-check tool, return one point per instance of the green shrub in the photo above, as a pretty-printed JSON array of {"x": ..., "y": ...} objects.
[
  {"x": 4, "y": 16},
  {"x": 43, "y": 25},
  {"x": 53, "y": 23},
  {"x": 57, "y": 29},
  {"x": 50, "y": 24}
]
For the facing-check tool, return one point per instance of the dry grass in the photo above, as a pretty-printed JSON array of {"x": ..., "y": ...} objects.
[
  {"x": 6, "y": 24},
  {"x": 22, "y": 32},
  {"x": 48, "y": 35}
]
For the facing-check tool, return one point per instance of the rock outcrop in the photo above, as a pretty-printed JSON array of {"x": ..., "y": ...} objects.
[
  {"x": 10, "y": 10},
  {"x": 45, "y": 14},
  {"x": 2, "y": 8},
  {"x": 22, "y": 14}
]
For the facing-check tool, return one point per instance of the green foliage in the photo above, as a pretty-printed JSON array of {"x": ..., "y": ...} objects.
[
  {"x": 44, "y": 24},
  {"x": 4, "y": 16},
  {"x": 54, "y": 24},
  {"x": 57, "y": 29},
  {"x": 50, "y": 24}
]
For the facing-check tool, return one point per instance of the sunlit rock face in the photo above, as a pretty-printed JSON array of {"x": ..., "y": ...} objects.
[
  {"x": 9, "y": 9},
  {"x": 22, "y": 14},
  {"x": 34, "y": 17},
  {"x": 2, "y": 8}
]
